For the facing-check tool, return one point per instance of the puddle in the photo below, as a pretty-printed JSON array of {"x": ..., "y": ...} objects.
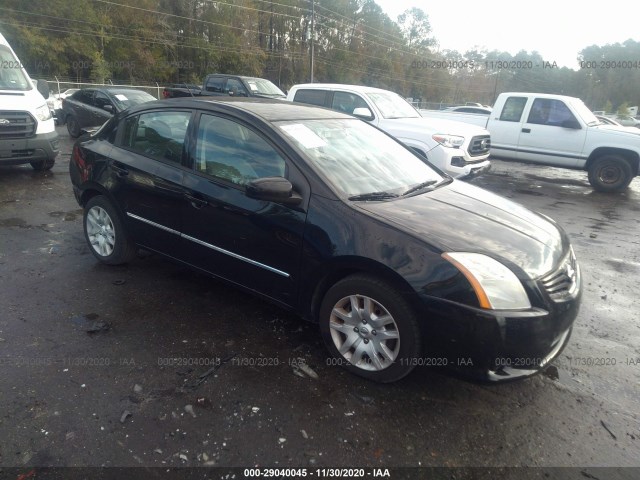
[
  {"x": 13, "y": 222},
  {"x": 90, "y": 324}
]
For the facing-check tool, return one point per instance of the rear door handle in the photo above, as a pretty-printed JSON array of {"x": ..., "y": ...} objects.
[
  {"x": 526, "y": 130},
  {"x": 195, "y": 201}
]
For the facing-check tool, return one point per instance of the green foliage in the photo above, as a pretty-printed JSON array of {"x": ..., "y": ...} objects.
[
  {"x": 174, "y": 41},
  {"x": 623, "y": 109}
]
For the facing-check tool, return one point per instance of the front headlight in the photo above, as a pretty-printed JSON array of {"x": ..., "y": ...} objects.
[
  {"x": 496, "y": 286},
  {"x": 451, "y": 141},
  {"x": 43, "y": 113}
]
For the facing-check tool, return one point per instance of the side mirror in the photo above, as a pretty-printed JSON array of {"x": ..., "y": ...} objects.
[
  {"x": 574, "y": 124},
  {"x": 273, "y": 189},
  {"x": 108, "y": 108},
  {"x": 363, "y": 113},
  {"x": 43, "y": 88}
]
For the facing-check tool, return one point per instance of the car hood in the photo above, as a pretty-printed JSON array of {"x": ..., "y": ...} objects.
[
  {"x": 626, "y": 131},
  {"x": 464, "y": 218},
  {"x": 402, "y": 126}
]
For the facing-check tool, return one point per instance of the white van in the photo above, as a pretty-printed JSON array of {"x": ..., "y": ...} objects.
[{"x": 27, "y": 129}]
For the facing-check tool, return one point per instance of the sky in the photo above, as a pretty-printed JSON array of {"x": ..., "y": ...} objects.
[{"x": 557, "y": 29}]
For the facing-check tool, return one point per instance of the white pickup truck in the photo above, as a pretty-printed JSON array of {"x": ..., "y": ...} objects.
[
  {"x": 458, "y": 149},
  {"x": 559, "y": 131}
]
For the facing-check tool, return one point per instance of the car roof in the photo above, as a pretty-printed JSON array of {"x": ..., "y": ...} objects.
[
  {"x": 271, "y": 110},
  {"x": 340, "y": 86}
]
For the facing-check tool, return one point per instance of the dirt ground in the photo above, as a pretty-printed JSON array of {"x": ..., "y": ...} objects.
[{"x": 154, "y": 365}]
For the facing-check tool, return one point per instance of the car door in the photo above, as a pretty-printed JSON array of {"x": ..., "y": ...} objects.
[
  {"x": 254, "y": 243},
  {"x": 100, "y": 101},
  {"x": 147, "y": 168},
  {"x": 551, "y": 134},
  {"x": 81, "y": 107},
  {"x": 506, "y": 127}
]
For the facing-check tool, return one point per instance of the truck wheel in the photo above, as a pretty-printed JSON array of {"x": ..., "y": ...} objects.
[
  {"x": 370, "y": 329},
  {"x": 610, "y": 173},
  {"x": 43, "y": 164},
  {"x": 72, "y": 126}
]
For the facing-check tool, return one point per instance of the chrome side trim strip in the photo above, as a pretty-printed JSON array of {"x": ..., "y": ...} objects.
[
  {"x": 208, "y": 245},
  {"x": 161, "y": 227},
  {"x": 235, "y": 255}
]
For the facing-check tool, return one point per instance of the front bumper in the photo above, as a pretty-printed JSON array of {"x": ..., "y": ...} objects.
[
  {"x": 16, "y": 151},
  {"x": 498, "y": 346}
]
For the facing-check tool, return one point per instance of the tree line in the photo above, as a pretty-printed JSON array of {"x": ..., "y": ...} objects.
[{"x": 354, "y": 41}]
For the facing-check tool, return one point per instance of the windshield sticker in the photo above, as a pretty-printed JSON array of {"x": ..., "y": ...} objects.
[
  {"x": 304, "y": 135},
  {"x": 253, "y": 86},
  {"x": 121, "y": 97}
]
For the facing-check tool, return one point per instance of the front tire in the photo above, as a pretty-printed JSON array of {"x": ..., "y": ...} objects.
[
  {"x": 105, "y": 233},
  {"x": 72, "y": 126},
  {"x": 43, "y": 165},
  {"x": 370, "y": 329},
  {"x": 610, "y": 173}
]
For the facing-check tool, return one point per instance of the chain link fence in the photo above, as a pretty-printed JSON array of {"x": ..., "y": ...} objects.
[{"x": 59, "y": 86}]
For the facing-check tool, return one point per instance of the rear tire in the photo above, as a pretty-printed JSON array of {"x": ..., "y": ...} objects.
[
  {"x": 610, "y": 173},
  {"x": 105, "y": 233},
  {"x": 370, "y": 329}
]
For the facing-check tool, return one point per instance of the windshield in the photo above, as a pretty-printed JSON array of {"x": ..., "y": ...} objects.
[
  {"x": 128, "y": 98},
  {"x": 12, "y": 76},
  {"x": 260, "y": 86},
  {"x": 392, "y": 105},
  {"x": 357, "y": 158},
  {"x": 584, "y": 113}
]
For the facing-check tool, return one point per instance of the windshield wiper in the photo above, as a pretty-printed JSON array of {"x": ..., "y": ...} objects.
[
  {"x": 420, "y": 186},
  {"x": 374, "y": 196}
]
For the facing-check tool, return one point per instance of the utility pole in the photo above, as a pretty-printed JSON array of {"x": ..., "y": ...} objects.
[{"x": 313, "y": 15}]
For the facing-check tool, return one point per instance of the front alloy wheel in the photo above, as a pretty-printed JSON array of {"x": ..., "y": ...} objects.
[
  {"x": 370, "y": 328},
  {"x": 364, "y": 332}
]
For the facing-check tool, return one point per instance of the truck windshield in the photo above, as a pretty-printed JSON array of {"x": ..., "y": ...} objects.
[
  {"x": 584, "y": 113},
  {"x": 12, "y": 76},
  {"x": 392, "y": 105},
  {"x": 358, "y": 159},
  {"x": 260, "y": 86}
]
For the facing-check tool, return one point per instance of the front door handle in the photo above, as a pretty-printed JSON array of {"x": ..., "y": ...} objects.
[
  {"x": 526, "y": 130},
  {"x": 195, "y": 201}
]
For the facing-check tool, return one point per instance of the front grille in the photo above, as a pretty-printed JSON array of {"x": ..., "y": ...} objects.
[
  {"x": 16, "y": 125},
  {"x": 480, "y": 145},
  {"x": 562, "y": 282}
]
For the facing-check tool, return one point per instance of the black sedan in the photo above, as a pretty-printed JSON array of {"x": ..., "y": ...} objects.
[
  {"x": 333, "y": 219},
  {"x": 91, "y": 107}
]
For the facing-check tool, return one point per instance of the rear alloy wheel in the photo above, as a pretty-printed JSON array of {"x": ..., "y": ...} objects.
[
  {"x": 105, "y": 233},
  {"x": 72, "y": 126},
  {"x": 610, "y": 173},
  {"x": 370, "y": 329},
  {"x": 42, "y": 165}
]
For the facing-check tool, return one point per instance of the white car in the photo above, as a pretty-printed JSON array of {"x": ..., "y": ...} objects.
[
  {"x": 459, "y": 149},
  {"x": 67, "y": 93}
]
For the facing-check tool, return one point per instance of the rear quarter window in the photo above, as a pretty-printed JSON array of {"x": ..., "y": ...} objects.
[
  {"x": 311, "y": 97},
  {"x": 513, "y": 108}
]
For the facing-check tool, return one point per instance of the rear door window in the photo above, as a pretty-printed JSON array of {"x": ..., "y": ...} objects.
[
  {"x": 215, "y": 84},
  {"x": 513, "y": 108},
  {"x": 312, "y": 97},
  {"x": 159, "y": 135}
]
